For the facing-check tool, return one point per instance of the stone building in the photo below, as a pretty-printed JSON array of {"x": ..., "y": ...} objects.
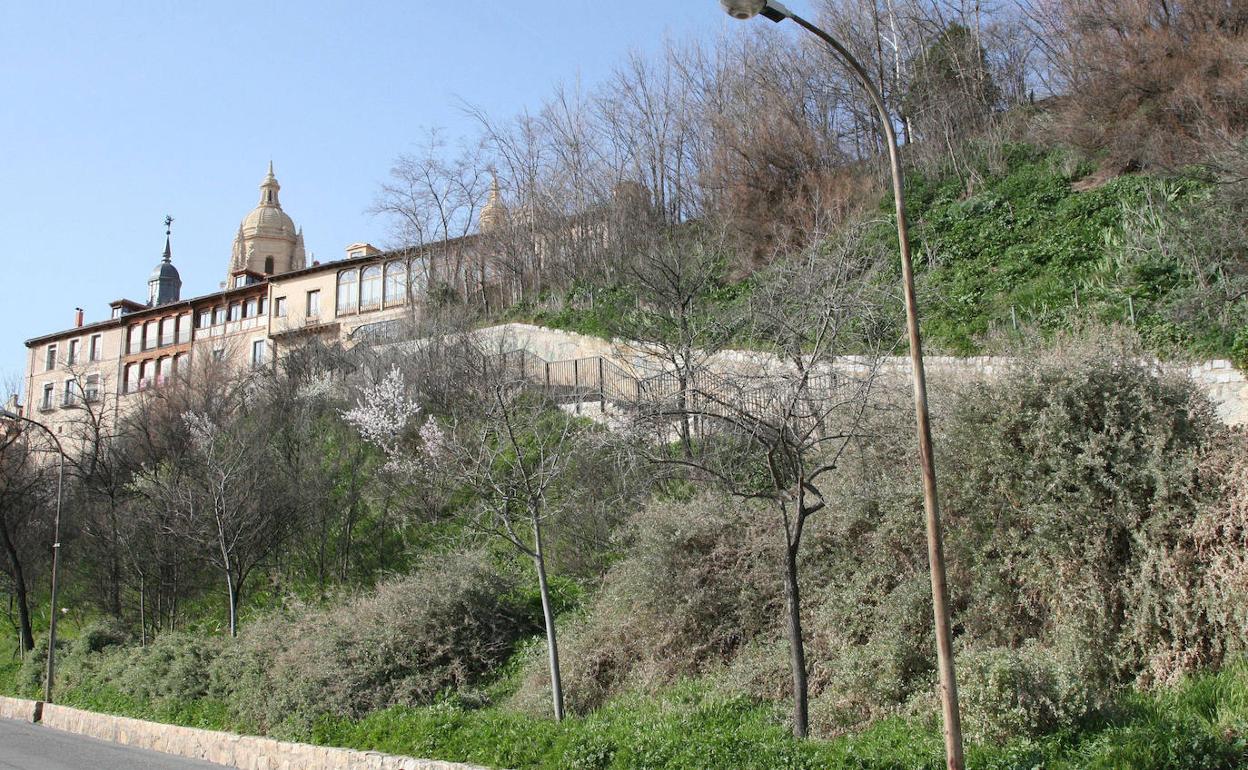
[{"x": 270, "y": 298}]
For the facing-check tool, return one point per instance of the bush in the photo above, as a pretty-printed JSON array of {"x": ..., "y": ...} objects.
[
  {"x": 698, "y": 583},
  {"x": 1026, "y": 692},
  {"x": 444, "y": 628}
]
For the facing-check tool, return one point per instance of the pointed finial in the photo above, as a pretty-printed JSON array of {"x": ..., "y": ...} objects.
[
  {"x": 270, "y": 167},
  {"x": 168, "y": 231}
]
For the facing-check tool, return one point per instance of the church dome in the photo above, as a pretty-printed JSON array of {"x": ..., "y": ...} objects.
[{"x": 269, "y": 220}]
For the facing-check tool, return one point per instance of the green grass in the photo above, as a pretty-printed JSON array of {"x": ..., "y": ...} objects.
[{"x": 1201, "y": 724}]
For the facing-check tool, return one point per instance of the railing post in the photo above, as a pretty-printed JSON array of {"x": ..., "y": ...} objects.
[
  {"x": 547, "y": 375},
  {"x": 602, "y": 388},
  {"x": 576, "y": 382}
]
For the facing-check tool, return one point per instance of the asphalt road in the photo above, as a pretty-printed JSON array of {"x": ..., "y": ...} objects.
[{"x": 24, "y": 746}]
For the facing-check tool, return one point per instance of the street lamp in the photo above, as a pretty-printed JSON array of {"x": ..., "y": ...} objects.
[
  {"x": 5, "y": 414},
  {"x": 745, "y": 9}
]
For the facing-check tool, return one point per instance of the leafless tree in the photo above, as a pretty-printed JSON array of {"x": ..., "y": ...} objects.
[{"x": 775, "y": 428}]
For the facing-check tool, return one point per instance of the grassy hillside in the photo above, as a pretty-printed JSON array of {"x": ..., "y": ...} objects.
[{"x": 1032, "y": 243}]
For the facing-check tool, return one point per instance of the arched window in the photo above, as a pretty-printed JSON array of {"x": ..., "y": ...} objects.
[
  {"x": 348, "y": 291},
  {"x": 268, "y": 265},
  {"x": 370, "y": 288},
  {"x": 396, "y": 277}
]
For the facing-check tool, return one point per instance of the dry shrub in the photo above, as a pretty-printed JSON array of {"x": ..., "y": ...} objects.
[
  {"x": 1151, "y": 82},
  {"x": 442, "y": 629},
  {"x": 696, "y": 586}
]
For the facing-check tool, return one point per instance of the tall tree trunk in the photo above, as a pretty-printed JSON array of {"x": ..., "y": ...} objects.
[
  {"x": 19, "y": 587},
  {"x": 232, "y": 590},
  {"x": 797, "y": 648},
  {"x": 548, "y": 613}
]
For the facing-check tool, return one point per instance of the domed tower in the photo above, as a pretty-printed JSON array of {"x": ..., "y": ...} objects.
[
  {"x": 164, "y": 285},
  {"x": 267, "y": 241}
]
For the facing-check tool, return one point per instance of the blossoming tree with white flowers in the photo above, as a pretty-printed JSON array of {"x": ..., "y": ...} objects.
[{"x": 512, "y": 457}]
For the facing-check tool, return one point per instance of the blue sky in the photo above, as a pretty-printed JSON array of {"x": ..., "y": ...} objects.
[{"x": 117, "y": 113}]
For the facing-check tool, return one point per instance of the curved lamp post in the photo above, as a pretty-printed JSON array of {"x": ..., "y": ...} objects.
[
  {"x": 56, "y": 546},
  {"x": 745, "y": 9}
]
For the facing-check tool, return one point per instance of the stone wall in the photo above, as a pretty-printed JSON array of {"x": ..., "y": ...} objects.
[
  {"x": 21, "y": 710},
  {"x": 239, "y": 751},
  {"x": 1226, "y": 386}
]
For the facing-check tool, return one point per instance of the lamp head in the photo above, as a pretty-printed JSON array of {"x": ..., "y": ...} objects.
[
  {"x": 743, "y": 9},
  {"x": 746, "y": 9}
]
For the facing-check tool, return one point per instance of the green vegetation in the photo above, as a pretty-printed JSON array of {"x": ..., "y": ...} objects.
[
  {"x": 1018, "y": 247},
  {"x": 1198, "y": 724}
]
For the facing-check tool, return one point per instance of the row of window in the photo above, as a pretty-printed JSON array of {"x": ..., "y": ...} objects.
[
  {"x": 375, "y": 286},
  {"x": 73, "y": 354},
  {"x": 174, "y": 330},
  {"x": 75, "y": 392},
  {"x": 235, "y": 311},
  {"x": 156, "y": 372}
]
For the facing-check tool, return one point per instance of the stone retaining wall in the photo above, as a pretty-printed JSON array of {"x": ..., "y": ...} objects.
[
  {"x": 239, "y": 751},
  {"x": 1226, "y": 386},
  {"x": 22, "y": 710}
]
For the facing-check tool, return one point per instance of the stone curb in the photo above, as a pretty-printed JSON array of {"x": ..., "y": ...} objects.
[{"x": 240, "y": 751}]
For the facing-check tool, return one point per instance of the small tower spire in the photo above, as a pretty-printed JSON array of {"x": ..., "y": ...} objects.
[
  {"x": 168, "y": 232},
  {"x": 269, "y": 189},
  {"x": 164, "y": 285}
]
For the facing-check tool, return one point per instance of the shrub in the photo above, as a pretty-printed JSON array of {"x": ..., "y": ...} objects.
[
  {"x": 696, "y": 586},
  {"x": 444, "y": 628},
  {"x": 1008, "y": 693}
]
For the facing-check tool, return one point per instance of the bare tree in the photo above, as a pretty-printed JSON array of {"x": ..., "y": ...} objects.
[
  {"x": 776, "y": 428},
  {"x": 24, "y": 489}
]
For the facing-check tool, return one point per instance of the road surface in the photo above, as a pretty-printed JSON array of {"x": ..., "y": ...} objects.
[{"x": 24, "y": 746}]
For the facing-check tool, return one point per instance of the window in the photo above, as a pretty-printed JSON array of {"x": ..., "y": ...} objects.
[
  {"x": 396, "y": 277},
  {"x": 94, "y": 352},
  {"x": 203, "y": 319},
  {"x": 417, "y": 277},
  {"x": 145, "y": 374},
  {"x": 261, "y": 304},
  {"x": 49, "y": 362},
  {"x": 279, "y": 307},
  {"x": 151, "y": 336},
  {"x": 370, "y": 288},
  {"x": 348, "y": 291},
  {"x": 314, "y": 303},
  {"x": 136, "y": 339},
  {"x": 180, "y": 362},
  {"x": 68, "y": 398},
  {"x": 131, "y": 383},
  {"x": 91, "y": 392},
  {"x": 46, "y": 403},
  {"x": 162, "y": 370},
  {"x": 72, "y": 357},
  {"x": 250, "y": 308},
  {"x": 184, "y": 328},
  {"x": 168, "y": 331},
  {"x": 236, "y": 310},
  {"x": 218, "y": 354},
  {"x": 218, "y": 316},
  {"x": 268, "y": 265},
  {"x": 257, "y": 352}
]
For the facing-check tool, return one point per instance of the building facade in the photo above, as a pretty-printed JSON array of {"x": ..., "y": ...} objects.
[{"x": 271, "y": 298}]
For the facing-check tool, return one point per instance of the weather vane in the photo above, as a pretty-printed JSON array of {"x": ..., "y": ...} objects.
[{"x": 168, "y": 223}]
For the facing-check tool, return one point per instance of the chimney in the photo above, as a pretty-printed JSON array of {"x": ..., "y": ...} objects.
[{"x": 77, "y": 316}]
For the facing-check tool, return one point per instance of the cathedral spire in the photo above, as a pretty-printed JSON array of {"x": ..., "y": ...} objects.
[{"x": 269, "y": 189}]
